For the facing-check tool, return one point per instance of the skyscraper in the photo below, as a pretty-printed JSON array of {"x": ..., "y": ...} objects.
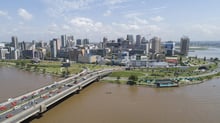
[
  {"x": 130, "y": 38},
  {"x": 138, "y": 40},
  {"x": 169, "y": 48},
  {"x": 85, "y": 41},
  {"x": 14, "y": 40},
  {"x": 143, "y": 40},
  {"x": 78, "y": 42},
  {"x": 70, "y": 41},
  {"x": 63, "y": 41},
  {"x": 105, "y": 40},
  {"x": 155, "y": 42},
  {"x": 53, "y": 48},
  {"x": 184, "y": 45}
]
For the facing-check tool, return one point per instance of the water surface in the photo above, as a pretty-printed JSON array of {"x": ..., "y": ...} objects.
[{"x": 112, "y": 103}]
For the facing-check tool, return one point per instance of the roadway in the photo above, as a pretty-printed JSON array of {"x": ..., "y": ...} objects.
[{"x": 22, "y": 103}]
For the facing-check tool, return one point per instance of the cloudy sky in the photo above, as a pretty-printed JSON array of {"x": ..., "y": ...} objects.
[{"x": 168, "y": 19}]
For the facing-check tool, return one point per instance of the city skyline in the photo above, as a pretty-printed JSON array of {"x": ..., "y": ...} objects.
[{"x": 94, "y": 19}]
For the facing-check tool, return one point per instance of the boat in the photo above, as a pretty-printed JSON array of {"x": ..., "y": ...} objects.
[{"x": 165, "y": 83}]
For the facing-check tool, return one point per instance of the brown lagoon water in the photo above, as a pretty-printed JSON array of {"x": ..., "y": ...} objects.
[
  {"x": 15, "y": 82},
  {"x": 113, "y": 103}
]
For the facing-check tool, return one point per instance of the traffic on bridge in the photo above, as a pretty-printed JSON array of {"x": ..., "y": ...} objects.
[{"x": 20, "y": 108}]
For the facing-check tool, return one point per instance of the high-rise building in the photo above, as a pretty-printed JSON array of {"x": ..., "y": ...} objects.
[
  {"x": 184, "y": 45},
  {"x": 105, "y": 40},
  {"x": 53, "y": 48},
  {"x": 138, "y": 40},
  {"x": 85, "y": 41},
  {"x": 70, "y": 38},
  {"x": 3, "y": 53},
  {"x": 78, "y": 42},
  {"x": 23, "y": 45},
  {"x": 14, "y": 40},
  {"x": 169, "y": 48},
  {"x": 130, "y": 38},
  {"x": 120, "y": 40},
  {"x": 155, "y": 44},
  {"x": 58, "y": 43},
  {"x": 63, "y": 41},
  {"x": 70, "y": 41},
  {"x": 143, "y": 40}
]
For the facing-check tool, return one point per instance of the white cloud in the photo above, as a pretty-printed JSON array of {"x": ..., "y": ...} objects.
[
  {"x": 107, "y": 13},
  {"x": 3, "y": 13},
  {"x": 132, "y": 15},
  {"x": 206, "y": 29},
  {"x": 113, "y": 2},
  {"x": 81, "y": 21},
  {"x": 154, "y": 28},
  {"x": 66, "y": 27},
  {"x": 24, "y": 14},
  {"x": 125, "y": 27},
  {"x": 159, "y": 8},
  {"x": 86, "y": 24},
  {"x": 53, "y": 28},
  {"x": 57, "y": 8},
  {"x": 157, "y": 19},
  {"x": 140, "y": 21}
]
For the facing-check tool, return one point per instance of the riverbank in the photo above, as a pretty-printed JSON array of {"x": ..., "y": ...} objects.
[
  {"x": 53, "y": 68},
  {"x": 182, "y": 81}
]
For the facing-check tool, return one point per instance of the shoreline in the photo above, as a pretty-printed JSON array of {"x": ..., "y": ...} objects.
[
  {"x": 122, "y": 80},
  {"x": 180, "y": 84}
]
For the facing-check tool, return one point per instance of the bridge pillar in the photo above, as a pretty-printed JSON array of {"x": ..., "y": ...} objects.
[
  {"x": 43, "y": 108},
  {"x": 79, "y": 88},
  {"x": 99, "y": 77}
]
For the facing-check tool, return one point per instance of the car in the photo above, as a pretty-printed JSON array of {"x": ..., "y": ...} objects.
[
  {"x": 84, "y": 78},
  {"x": 10, "y": 99},
  {"x": 8, "y": 115},
  {"x": 3, "y": 108},
  {"x": 69, "y": 85},
  {"x": 25, "y": 107},
  {"x": 75, "y": 82},
  {"x": 16, "y": 107}
]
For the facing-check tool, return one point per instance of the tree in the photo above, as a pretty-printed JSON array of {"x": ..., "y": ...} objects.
[
  {"x": 181, "y": 59},
  {"x": 132, "y": 79},
  {"x": 118, "y": 78}
]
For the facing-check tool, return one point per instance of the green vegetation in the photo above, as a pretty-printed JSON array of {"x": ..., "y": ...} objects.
[
  {"x": 52, "y": 67},
  {"x": 143, "y": 76},
  {"x": 126, "y": 73}
]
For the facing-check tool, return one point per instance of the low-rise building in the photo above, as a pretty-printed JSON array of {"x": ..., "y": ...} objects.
[{"x": 87, "y": 59}]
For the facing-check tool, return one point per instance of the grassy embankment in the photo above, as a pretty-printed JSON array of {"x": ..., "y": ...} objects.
[
  {"x": 51, "y": 67},
  {"x": 147, "y": 76}
]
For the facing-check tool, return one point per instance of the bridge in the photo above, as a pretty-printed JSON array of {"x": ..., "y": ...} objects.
[{"x": 34, "y": 103}]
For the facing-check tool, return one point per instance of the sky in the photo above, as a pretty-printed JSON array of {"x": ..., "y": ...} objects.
[{"x": 168, "y": 19}]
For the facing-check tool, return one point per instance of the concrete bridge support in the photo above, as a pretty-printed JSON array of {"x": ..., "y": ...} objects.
[{"x": 43, "y": 108}]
